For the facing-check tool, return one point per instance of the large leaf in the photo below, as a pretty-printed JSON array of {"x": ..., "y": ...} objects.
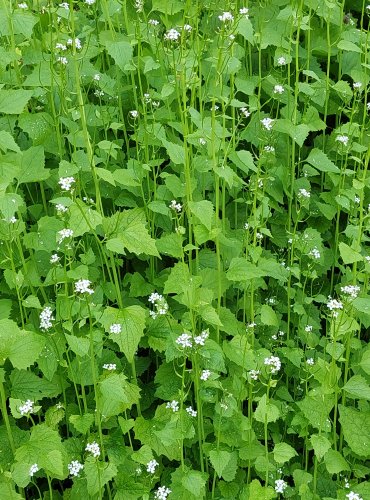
[
  {"x": 13, "y": 102},
  {"x": 20, "y": 347},
  {"x": 321, "y": 162},
  {"x": 32, "y": 167},
  {"x": 356, "y": 429},
  {"x": 204, "y": 211},
  {"x": 117, "y": 395}
]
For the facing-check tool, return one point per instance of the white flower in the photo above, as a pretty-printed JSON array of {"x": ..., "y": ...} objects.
[
  {"x": 274, "y": 362},
  {"x": 281, "y": 61},
  {"x": 89, "y": 2},
  {"x": 93, "y": 448},
  {"x": 245, "y": 112},
  {"x": 173, "y": 405},
  {"x": 60, "y": 46},
  {"x": 74, "y": 467},
  {"x": 26, "y": 408},
  {"x": 267, "y": 123},
  {"x": 23, "y": 6},
  {"x": 134, "y": 114},
  {"x": 187, "y": 27},
  {"x": 65, "y": 233},
  {"x": 184, "y": 340},
  {"x": 115, "y": 328},
  {"x": 96, "y": 77},
  {"x": 310, "y": 361},
  {"x": 110, "y": 366},
  {"x": 351, "y": 290},
  {"x": 226, "y": 16},
  {"x": 244, "y": 11},
  {"x": 54, "y": 258},
  {"x": 368, "y": 106},
  {"x": 83, "y": 286},
  {"x": 280, "y": 485},
  {"x": 64, "y": 5},
  {"x": 13, "y": 220},
  {"x": 304, "y": 193},
  {"x": 200, "y": 339},
  {"x": 191, "y": 412},
  {"x": 62, "y": 60},
  {"x": 357, "y": 199},
  {"x": 308, "y": 328},
  {"x": 205, "y": 374},
  {"x": 177, "y": 207},
  {"x": 315, "y": 253},
  {"x": 99, "y": 93},
  {"x": 160, "y": 305},
  {"x": 357, "y": 85},
  {"x": 139, "y": 5},
  {"x": 172, "y": 35},
  {"x": 269, "y": 149},
  {"x": 353, "y": 496},
  {"x": 46, "y": 318},
  {"x": 153, "y": 22},
  {"x": 66, "y": 183},
  {"x": 33, "y": 469},
  {"x": 61, "y": 208},
  {"x": 254, "y": 374},
  {"x": 334, "y": 304},
  {"x": 202, "y": 141},
  {"x": 367, "y": 258},
  {"x": 343, "y": 139},
  {"x": 259, "y": 236},
  {"x": 215, "y": 107},
  {"x": 279, "y": 89},
  {"x": 77, "y": 41},
  {"x": 162, "y": 493},
  {"x": 138, "y": 471},
  {"x": 151, "y": 466}
]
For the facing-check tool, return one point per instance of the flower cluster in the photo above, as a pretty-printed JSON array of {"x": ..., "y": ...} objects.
[
  {"x": 353, "y": 496},
  {"x": 279, "y": 89},
  {"x": 115, "y": 328},
  {"x": 304, "y": 193},
  {"x": 33, "y": 469},
  {"x": 66, "y": 183},
  {"x": 267, "y": 123},
  {"x": 315, "y": 253},
  {"x": 162, "y": 493},
  {"x": 186, "y": 340},
  {"x": 83, "y": 286},
  {"x": 334, "y": 305},
  {"x": 191, "y": 412},
  {"x": 254, "y": 374},
  {"x": 93, "y": 448},
  {"x": 245, "y": 112},
  {"x": 159, "y": 303},
  {"x": 280, "y": 485},
  {"x": 351, "y": 290},
  {"x": 75, "y": 467},
  {"x": 172, "y": 35},
  {"x": 64, "y": 233},
  {"x": 173, "y": 405},
  {"x": 226, "y": 17},
  {"x": 110, "y": 366},
  {"x": 205, "y": 375},
  {"x": 46, "y": 318},
  {"x": 76, "y": 41},
  {"x": 274, "y": 363},
  {"x": 174, "y": 205},
  {"x": 26, "y": 408},
  {"x": 151, "y": 466}
]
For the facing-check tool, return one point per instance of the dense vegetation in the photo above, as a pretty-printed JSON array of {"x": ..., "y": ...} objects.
[{"x": 185, "y": 215}]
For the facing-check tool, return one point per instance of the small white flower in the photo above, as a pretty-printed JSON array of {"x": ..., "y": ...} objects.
[
  {"x": 244, "y": 11},
  {"x": 274, "y": 362},
  {"x": 54, "y": 258},
  {"x": 62, "y": 60},
  {"x": 139, "y": 5},
  {"x": 367, "y": 258},
  {"x": 357, "y": 199},
  {"x": 334, "y": 304},
  {"x": 254, "y": 374},
  {"x": 315, "y": 253},
  {"x": 138, "y": 471},
  {"x": 13, "y": 220},
  {"x": 115, "y": 328},
  {"x": 77, "y": 41},
  {"x": 368, "y": 106},
  {"x": 308, "y": 328},
  {"x": 134, "y": 114},
  {"x": 60, "y": 46},
  {"x": 357, "y": 85},
  {"x": 33, "y": 469},
  {"x": 280, "y": 485},
  {"x": 353, "y": 496},
  {"x": 151, "y": 466},
  {"x": 343, "y": 139},
  {"x": 304, "y": 193},
  {"x": 281, "y": 61},
  {"x": 46, "y": 318},
  {"x": 269, "y": 149},
  {"x": 172, "y": 35},
  {"x": 26, "y": 408},
  {"x": 89, "y": 2},
  {"x": 267, "y": 123},
  {"x": 310, "y": 361},
  {"x": 205, "y": 375},
  {"x": 66, "y": 183},
  {"x": 99, "y": 93},
  {"x": 251, "y": 326},
  {"x": 93, "y": 448},
  {"x": 25, "y": 7},
  {"x": 162, "y": 493},
  {"x": 245, "y": 112},
  {"x": 259, "y": 236},
  {"x": 96, "y": 77},
  {"x": 173, "y": 405},
  {"x": 191, "y": 412},
  {"x": 351, "y": 290},
  {"x": 160, "y": 305},
  {"x": 110, "y": 366},
  {"x": 202, "y": 141},
  {"x": 83, "y": 286},
  {"x": 215, "y": 107},
  {"x": 75, "y": 467},
  {"x": 279, "y": 89},
  {"x": 201, "y": 339},
  {"x": 226, "y": 17},
  {"x": 187, "y": 28},
  {"x": 184, "y": 340},
  {"x": 64, "y": 5},
  {"x": 61, "y": 208},
  {"x": 153, "y": 22},
  {"x": 65, "y": 233},
  {"x": 177, "y": 207}
]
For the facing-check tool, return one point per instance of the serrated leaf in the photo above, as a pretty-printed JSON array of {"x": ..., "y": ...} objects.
[
  {"x": 117, "y": 395},
  {"x": 82, "y": 423},
  {"x": 242, "y": 270},
  {"x": 335, "y": 462},
  {"x": 82, "y": 218},
  {"x": 283, "y": 452},
  {"x": 224, "y": 463},
  {"x": 349, "y": 255},
  {"x": 321, "y": 162},
  {"x": 13, "y": 102},
  {"x": 204, "y": 211},
  {"x": 320, "y": 445},
  {"x": 32, "y": 166},
  {"x": 356, "y": 429},
  {"x": 98, "y": 474},
  {"x": 266, "y": 411},
  {"x": 7, "y": 142},
  {"x": 79, "y": 345},
  {"x": 357, "y": 387}
]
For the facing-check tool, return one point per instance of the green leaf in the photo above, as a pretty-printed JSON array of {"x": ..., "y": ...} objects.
[
  {"x": 32, "y": 166},
  {"x": 13, "y": 102},
  {"x": 268, "y": 316},
  {"x": 204, "y": 211},
  {"x": 7, "y": 142},
  {"x": 356, "y": 429},
  {"x": 365, "y": 360},
  {"x": 243, "y": 160},
  {"x": 97, "y": 475},
  {"x": 348, "y": 254},
  {"x": 245, "y": 29},
  {"x": 266, "y": 411},
  {"x": 20, "y": 347},
  {"x": 188, "y": 484},
  {"x": 316, "y": 407},
  {"x": 335, "y": 462},
  {"x": 117, "y": 395},
  {"x": 298, "y": 133},
  {"x": 320, "y": 445},
  {"x": 321, "y": 162},
  {"x": 255, "y": 491},
  {"x": 224, "y": 463},
  {"x": 120, "y": 50},
  {"x": 349, "y": 46},
  {"x": 357, "y": 387},
  {"x": 242, "y": 270},
  {"x": 79, "y": 345},
  {"x": 362, "y": 304},
  {"x": 82, "y": 218},
  {"x": 175, "y": 152},
  {"x": 27, "y": 385},
  {"x": 171, "y": 244},
  {"x": 283, "y": 452}
]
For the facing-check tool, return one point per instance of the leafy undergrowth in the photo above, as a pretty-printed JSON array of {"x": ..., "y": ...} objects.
[{"x": 185, "y": 206}]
